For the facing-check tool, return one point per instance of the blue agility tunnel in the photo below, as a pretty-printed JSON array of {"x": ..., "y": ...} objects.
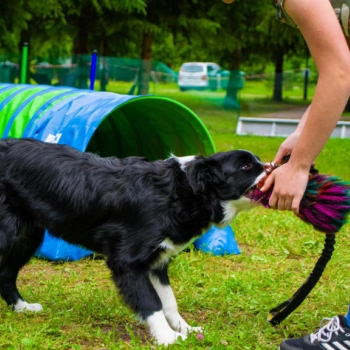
[{"x": 100, "y": 122}]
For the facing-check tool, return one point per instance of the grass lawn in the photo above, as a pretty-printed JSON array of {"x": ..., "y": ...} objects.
[{"x": 230, "y": 296}]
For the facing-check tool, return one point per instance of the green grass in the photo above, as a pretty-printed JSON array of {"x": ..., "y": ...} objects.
[{"x": 230, "y": 296}]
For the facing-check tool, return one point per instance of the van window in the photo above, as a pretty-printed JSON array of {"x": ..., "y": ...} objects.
[
  {"x": 192, "y": 68},
  {"x": 211, "y": 68}
]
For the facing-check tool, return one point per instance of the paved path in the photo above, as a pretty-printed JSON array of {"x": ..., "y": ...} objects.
[{"x": 293, "y": 113}]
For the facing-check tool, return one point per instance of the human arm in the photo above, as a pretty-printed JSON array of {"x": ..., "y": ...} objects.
[
  {"x": 323, "y": 35},
  {"x": 288, "y": 144}
]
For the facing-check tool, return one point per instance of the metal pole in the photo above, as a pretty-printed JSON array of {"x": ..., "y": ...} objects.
[
  {"x": 24, "y": 63},
  {"x": 306, "y": 77},
  {"x": 93, "y": 69}
]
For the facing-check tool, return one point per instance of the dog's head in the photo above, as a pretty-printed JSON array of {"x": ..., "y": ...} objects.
[{"x": 225, "y": 177}]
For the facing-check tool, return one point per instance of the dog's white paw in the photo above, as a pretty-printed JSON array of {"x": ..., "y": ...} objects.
[
  {"x": 188, "y": 329},
  {"x": 183, "y": 327},
  {"x": 161, "y": 331},
  {"x": 170, "y": 338},
  {"x": 24, "y": 306},
  {"x": 195, "y": 330}
]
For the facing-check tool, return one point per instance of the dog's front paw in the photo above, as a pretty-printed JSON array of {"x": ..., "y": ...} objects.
[
  {"x": 170, "y": 338},
  {"x": 184, "y": 328},
  {"x": 189, "y": 329},
  {"x": 21, "y": 306},
  {"x": 195, "y": 330},
  {"x": 161, "y": 331}
]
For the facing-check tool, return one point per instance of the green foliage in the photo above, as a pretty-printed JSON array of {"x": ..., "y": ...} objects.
[
  {"x": 243, "y": 34},
  {"x": 238, "y": 33},
  {"x": 19, "y": 17},
  {"x": 194, "y": 30}
]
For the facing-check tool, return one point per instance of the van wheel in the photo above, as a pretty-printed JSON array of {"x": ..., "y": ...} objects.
[{"x": 182, "y": 89}]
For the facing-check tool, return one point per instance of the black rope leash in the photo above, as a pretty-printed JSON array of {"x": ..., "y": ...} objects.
[{"x": 283, "y": 310}]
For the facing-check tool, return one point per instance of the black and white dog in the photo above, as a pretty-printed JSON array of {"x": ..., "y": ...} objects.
[{"x": 138, "y": 213}]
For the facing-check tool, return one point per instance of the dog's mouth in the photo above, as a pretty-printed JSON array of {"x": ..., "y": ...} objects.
[
  {"x": 248, "y": 193},
  {"x": 259, "y": 182}
]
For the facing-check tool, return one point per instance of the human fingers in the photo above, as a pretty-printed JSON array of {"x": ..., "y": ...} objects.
[
  {"x": 296, "y": 204},
  {"x": 268, "y": 183},
  {"x": 286, "y": 148},
  {"x": 281, "y": 153},
  {"x": 288, "y": 203},
  {"x": 281, "y": 201},
  {"x": 274, "y": 200}
]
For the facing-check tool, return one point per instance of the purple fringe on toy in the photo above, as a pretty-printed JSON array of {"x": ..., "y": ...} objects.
[{"x": 325, "y": 205}]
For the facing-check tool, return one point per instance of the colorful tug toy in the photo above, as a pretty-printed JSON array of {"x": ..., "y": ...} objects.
[{"x": 325, "y": 205}]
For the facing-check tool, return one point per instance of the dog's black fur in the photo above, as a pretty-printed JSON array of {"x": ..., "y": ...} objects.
[{"x": 138, "y": 213}]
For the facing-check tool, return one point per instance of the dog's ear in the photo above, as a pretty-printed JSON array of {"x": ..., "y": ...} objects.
[{"x": 204, "y": 174}]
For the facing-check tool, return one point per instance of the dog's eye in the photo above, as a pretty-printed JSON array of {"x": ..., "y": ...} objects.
[{"x": 247, "y": 166}]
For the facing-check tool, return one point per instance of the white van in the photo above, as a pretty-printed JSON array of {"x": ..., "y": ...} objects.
[{"x": 197, "y": 75}]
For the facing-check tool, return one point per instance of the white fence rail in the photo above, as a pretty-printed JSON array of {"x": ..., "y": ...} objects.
[{"x": 281, "y": 127}]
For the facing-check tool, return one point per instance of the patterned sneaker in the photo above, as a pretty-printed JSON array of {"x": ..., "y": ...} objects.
[{"x": 335, "y": 335}]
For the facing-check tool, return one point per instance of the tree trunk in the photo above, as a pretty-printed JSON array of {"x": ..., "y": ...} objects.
[
  {"x": 347, "y": 107},
  {"x": 80, "y": 58},
  {"x": 81, "y": 41},
  {"x": 146, "y": 64},
  {"x": 235, "y": 82},
  {"x": 104, "y": 45},
  {"x": 277, "y": 88},
  {"x": 103, "y": 68}
]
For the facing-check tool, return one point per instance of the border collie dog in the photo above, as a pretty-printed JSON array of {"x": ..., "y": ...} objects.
[{"x": 135, "y": 212}]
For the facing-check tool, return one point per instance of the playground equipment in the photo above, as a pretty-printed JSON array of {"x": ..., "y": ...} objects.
[{"x": 100, "y": 122}]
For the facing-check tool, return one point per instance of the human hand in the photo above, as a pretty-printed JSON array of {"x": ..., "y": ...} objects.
[
  {"x": 286, "y": 148},
  {"x": 289, "y": 187}
]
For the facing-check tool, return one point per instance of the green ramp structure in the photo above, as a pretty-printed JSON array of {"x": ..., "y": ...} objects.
[{"x": 101, "y": 122}]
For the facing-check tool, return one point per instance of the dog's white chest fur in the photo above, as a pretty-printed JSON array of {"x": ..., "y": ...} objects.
[
  {"x": 233, "y": 208},
  {"x": 230, "y": 208},
  {"x": 169, "y": 249}
]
